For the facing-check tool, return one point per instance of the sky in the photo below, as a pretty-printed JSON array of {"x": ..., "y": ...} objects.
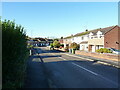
[{"x": 60, "y": 19}]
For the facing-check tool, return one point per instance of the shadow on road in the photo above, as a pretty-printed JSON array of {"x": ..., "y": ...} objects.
[{"x": 64, "y": 74}]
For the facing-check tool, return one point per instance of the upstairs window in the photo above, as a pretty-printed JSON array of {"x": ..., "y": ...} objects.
[
  {"x": 82, "y": 38},
  {"x": 99, "y": 34},
  {"x": 91, "y": 37}
]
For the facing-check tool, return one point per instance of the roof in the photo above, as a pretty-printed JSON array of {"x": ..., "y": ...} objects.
[
  {"x": 84, "y": 42},
  {"x": 81, "y": 34},
  {"x": 41, "y": 39},
  {"x": 103, "y": 30},
  {"x": 68, "y": 37},
  {"x": 49, "y": 40}
]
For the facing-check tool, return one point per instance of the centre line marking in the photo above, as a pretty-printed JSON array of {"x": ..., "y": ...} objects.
[{"x": 85, "y": 69}]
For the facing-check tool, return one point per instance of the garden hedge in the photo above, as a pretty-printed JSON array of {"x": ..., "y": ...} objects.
[{"x": 14, "y": 54}]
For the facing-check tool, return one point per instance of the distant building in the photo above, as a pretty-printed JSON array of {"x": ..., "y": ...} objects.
[{"x": 43, "y": 41}]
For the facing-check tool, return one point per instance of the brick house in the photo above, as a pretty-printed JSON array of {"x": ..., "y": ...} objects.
[
  {"x": 104, "y": 38},
  {"x": 112, "y": 38}
]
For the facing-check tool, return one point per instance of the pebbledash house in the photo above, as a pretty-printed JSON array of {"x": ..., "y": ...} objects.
[{"x": 92, "y": 40}]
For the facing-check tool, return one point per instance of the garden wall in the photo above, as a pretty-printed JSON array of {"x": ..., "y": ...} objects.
[{"x": 99, "y": 55}]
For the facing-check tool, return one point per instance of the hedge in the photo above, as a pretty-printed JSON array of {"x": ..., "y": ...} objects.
[
  {"x": 14, "y": 54},
  {"x": 103, "y": 50}
]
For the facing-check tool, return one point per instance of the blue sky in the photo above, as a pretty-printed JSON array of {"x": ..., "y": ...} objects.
[{"x": 56, "y": 19}]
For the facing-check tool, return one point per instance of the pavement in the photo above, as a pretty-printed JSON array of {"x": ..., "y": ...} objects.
[
  {"x": 35, "y": 74},
  {"x": 55, "y": 69},
  {"x": 102, "y": 61}
]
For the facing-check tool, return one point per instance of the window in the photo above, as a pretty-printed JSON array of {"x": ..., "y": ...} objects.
[
  {"x": 91, "y": 37},
  {"x": 82, "y": 38}
]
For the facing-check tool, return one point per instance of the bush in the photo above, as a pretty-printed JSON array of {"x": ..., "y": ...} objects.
[
  {"x": 51, "y": 45},
  {"x": 14, "y": 54},
  {"x": 67, "y": 48},
  {"x": 62, "y": 45},
  {"x": 74, "y": 46},
  {"x": 30, "y": 46},
  {"x": 56, "y": 44},
  {"x": 103, "y": 50}
]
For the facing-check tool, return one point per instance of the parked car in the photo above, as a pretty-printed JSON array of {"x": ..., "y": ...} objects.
[{"x": 114, "y": 51}]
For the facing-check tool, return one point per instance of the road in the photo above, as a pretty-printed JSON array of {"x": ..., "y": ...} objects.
[{"x": 68, "y": 71}]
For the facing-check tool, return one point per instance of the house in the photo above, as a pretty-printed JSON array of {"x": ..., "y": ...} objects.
[
  {"x": 61, "y": 40},
  {"x": 67, "y": 41},
  {"x": 95, "y": 39},
  {"x": 42, "y": 41},
  {"x": 112, "y": 38},
  {"x": 104, "y": 38},
  {"x": 48, "y": 41},
  {"x": 79, "y": 38}
]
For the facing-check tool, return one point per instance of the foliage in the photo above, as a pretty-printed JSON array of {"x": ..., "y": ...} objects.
[
  {"x": 103, "y": 50},
  {"x": 62, "y": 45},
  {"x": 30, "y": 46},
  {"x": 74, "y": 46},
  {"x": 51, "y": 44},
  {"x": 56, "y": 44},
  {"x": 67, "y": 48},
  {"x": 14, "y": 54}
]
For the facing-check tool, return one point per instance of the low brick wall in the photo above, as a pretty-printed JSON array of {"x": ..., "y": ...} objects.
[{"x": 98, "y": 55}]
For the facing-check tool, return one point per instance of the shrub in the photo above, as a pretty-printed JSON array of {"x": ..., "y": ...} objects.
[
  {"x": 14, "y": 54},
  {"x": 56, "y": 44},
  {"x": 74, "y": 46},
  {"x": 103, "y": 50},
  {"x": 67, "y": 48},
  {"x": 62, "y": 45},
  {"x": 30, "y": 46},
  {"x": 51, "y": 45}
]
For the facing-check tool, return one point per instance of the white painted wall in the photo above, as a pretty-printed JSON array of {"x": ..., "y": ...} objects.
[
  {"x": 78, "y": 39},
  {"x": 84, "y": 47},
  {"x": 99, "y": 33}
]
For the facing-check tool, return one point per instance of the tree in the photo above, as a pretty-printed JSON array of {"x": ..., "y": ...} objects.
[
  {"x": 51, "y": 45},
  {"x": 56, "y": 39},
  {"x": 74, "y": 46},
  {"x": 56, "y": 44}
]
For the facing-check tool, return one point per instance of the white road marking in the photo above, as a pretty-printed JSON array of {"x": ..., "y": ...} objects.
[
  {"x": 59, "y": 57},
  {"x": 80, "y": 66},
  {"x": 62, "y": 58},
  {"x": 84, "y": 68},
  {"x": 79, "y": 57},
  {"x": 36, "y": 59}
]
